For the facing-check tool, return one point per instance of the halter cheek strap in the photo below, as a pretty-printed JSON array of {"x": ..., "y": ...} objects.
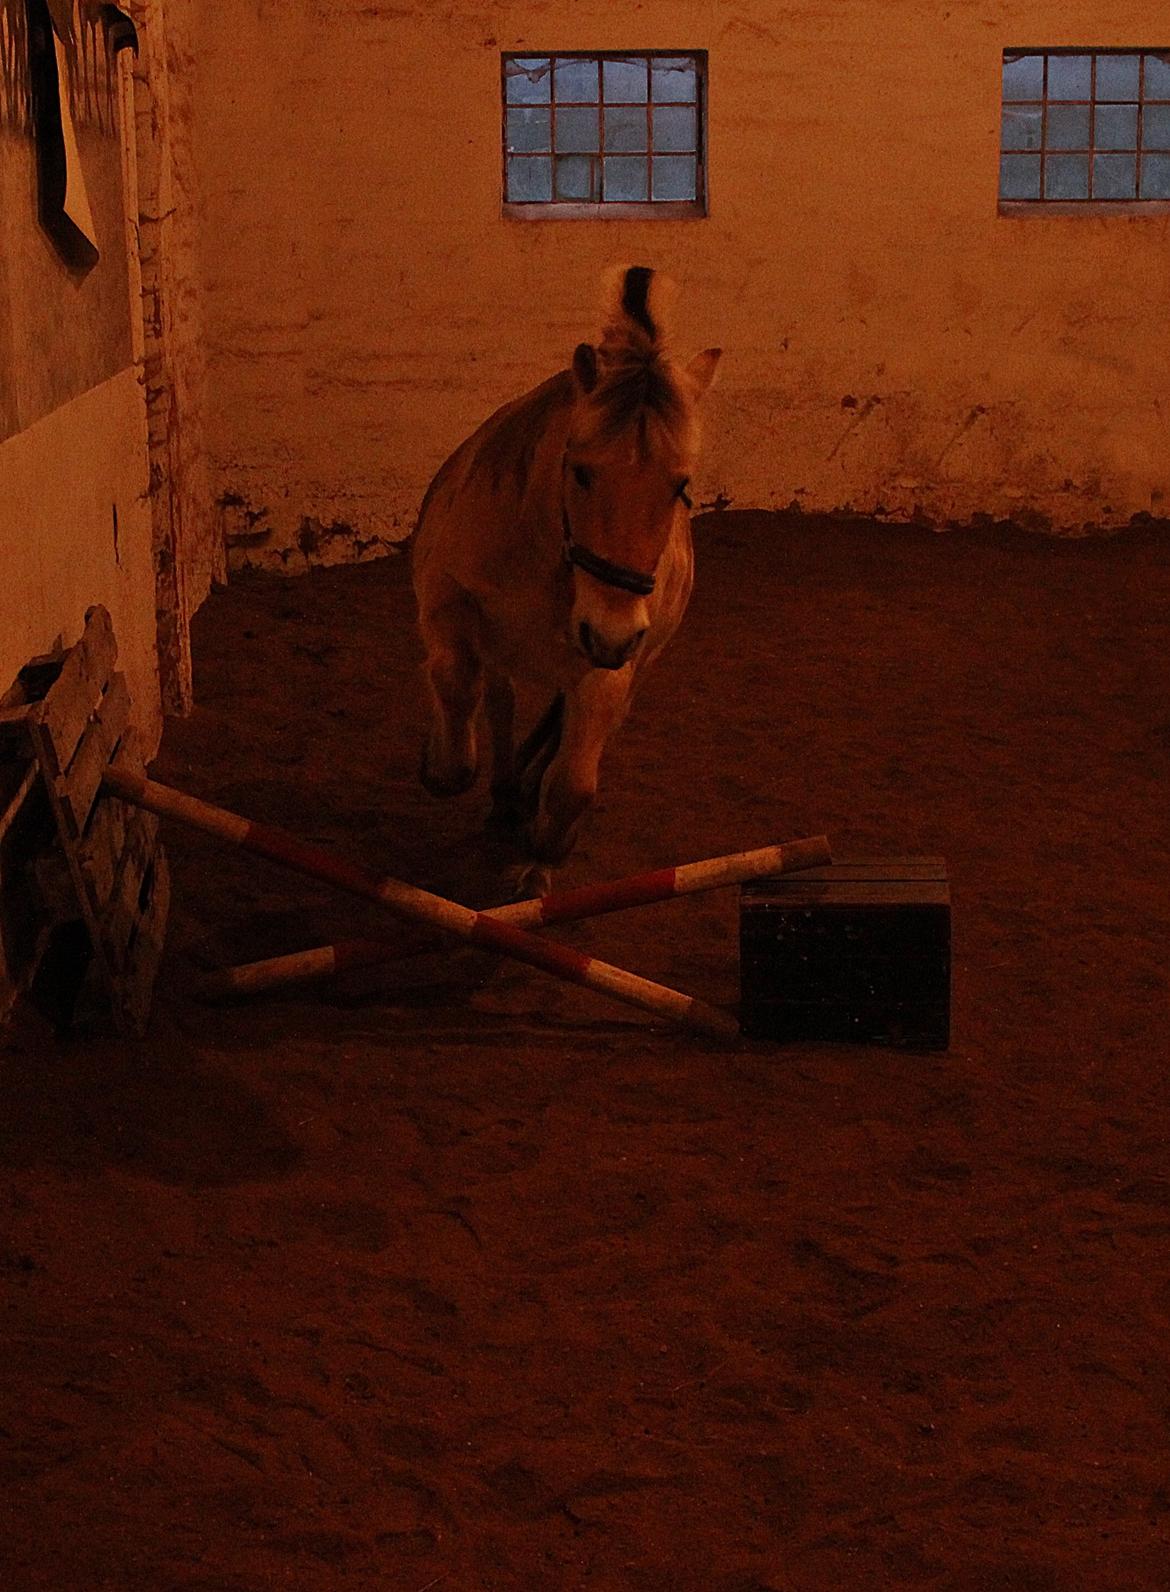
[{"x": 603, "y": 569}]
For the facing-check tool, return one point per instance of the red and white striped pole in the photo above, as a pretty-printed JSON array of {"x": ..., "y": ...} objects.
[
  {"x": 420, "y": 906},
  {"x": 562, "y": 906}
]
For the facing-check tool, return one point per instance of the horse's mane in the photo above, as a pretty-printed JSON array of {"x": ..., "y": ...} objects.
[{"x": 639, "y": 393}]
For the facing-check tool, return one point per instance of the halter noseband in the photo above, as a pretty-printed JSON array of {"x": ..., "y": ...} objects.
[{"x": 602, "y": 569}]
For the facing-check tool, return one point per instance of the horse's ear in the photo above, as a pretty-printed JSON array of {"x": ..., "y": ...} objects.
[
  {"x": 701, "y": 369},
  {"x": 585, "y": 366}
]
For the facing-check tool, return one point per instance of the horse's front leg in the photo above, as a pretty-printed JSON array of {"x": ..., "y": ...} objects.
[
  {"x": 450, "y": 757},
  {"x": 593, "y": 710}
]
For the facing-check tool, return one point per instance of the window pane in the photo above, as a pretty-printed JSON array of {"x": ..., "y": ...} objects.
[
  {"x": 675, "y": 177},
  {"x": 674, "y": 127},
  {"x": 1019, "y": 177},
  {"x": 1069, "y": 76},
  {"x": 626, "y": 177},
  {"x": 626, "y": 80},
  {"x": 1117, "y": 77},
  {"x": 527, "y": 81},
  {"x": 1021, "y": 127},
  {"x": 1066, "y": 177},
  {"x": 575, "y": 179},
  {"x": 529, "y": 178},
  {"x": 1115, "y": 127},
  {"x": 625, "y": 128},
  {"x": 672, "y": 80},
  {"x": 577, "y": 129},
  {"x": 575, "y": 80},
  {"x": 528, "y": 127},
  {"x": 1156, "y": 127},
  {"x": 1023, "y": 77},
  {"x": 1114, "y": 176},
  {"x": 1158, "y": 77},
  {"x": 1156, "y": 177},
  {"x": 1068, "y": 127}
]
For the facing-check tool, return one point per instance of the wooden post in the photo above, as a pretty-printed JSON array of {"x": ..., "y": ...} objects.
[
  {"x": 562, "y": 906},
  {"x": 421, "y": 906}
]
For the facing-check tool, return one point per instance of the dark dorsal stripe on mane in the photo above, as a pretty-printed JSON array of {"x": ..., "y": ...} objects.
[{"x": 635, "y": 299}]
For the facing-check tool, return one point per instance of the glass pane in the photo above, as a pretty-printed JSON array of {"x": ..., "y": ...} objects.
[
  {"x": 1114, "y": 176},
  {"x": 1066, "y": 177},
  {"x": 1156, "y": 177},
  {"x": 675, "y": 177},
  {"x": 575, "y": 80},
  {"x": 1019, "y": 177},
  {"x": 574, "y": 176},
  {"x": 528, "y": 127},
  {"x": 1156, "y": 127},
  {"x": 625, "y": 128},
  {"x": 527, "y": 80},
  {"x": 626, "y": 177},
  {"x": 1117, "y": 77},
  {"x": 1021, "y": 127},
  {"x": 1068, "y": 127},
  {"x": 1158, "y": 77},
  {"x": 672, "y": 79},
  {"x": 1115, "y": 127},
  {"x": 626, "y": 80},
  {"x": 1070, "y": 76},
  {"x": 529, "y": 178},
  {"x": 1023, "y": 77},
  {"x": 577, "y": 129},
  {"x": 674, "y": 127}
]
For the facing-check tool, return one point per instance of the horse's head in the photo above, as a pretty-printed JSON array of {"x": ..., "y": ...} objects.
[{"x": 632, "y": 445}]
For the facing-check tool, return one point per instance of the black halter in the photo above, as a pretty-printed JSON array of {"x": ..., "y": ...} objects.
[{"x": 602, "y": 569}]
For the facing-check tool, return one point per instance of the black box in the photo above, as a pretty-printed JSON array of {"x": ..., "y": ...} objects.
[{"x": 858, "y": 951}]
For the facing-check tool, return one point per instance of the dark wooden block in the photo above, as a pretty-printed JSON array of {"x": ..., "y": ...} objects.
[{"x": 856, "y": 952}]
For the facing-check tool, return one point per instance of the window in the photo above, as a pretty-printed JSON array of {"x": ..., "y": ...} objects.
[
  {"x": 604, "y": 133},
  {"x": 1083, "y": 125}
]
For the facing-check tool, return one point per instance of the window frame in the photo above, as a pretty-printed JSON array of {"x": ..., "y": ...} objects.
[
  {"x": 695, "y": 209},
  {"x": 1090, "y": 205}
]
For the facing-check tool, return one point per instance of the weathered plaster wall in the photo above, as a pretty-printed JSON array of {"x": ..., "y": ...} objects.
[
  {"x": 891, "y": 343},
  {"x": 101, "y": 374},
  {"x": 80, "y": 533},
  {"x": 74, "y": 518}
]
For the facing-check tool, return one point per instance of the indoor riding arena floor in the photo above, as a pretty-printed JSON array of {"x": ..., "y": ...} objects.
[{"x": 448, "y": 1276}]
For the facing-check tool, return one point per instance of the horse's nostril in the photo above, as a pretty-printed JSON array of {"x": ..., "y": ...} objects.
[{"x": 586, "y": 636}]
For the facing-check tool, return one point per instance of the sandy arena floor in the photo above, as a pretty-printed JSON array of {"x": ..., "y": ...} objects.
[{"x": 446, "y": 1276}]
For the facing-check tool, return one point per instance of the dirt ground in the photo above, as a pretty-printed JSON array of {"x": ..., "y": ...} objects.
[{"x": 446, "y": 1276}]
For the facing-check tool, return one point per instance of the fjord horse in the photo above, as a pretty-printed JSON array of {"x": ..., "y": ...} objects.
[{"x": 554, "y": 547}]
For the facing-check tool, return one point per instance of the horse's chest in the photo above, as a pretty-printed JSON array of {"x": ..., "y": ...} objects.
[{"x": 526, "y": 635}]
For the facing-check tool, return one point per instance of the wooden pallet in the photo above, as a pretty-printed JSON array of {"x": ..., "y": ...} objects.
[{"x": 105, "y": 873}]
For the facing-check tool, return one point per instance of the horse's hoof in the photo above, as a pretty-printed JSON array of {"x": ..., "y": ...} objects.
[
  {"x": 528, "y": 880},
  {"x": 459, "y": 780}
]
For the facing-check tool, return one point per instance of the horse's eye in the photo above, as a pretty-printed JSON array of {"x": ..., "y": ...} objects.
[
  {"x": 583, "y": 477},
  {"x": 680, "y": 491}
]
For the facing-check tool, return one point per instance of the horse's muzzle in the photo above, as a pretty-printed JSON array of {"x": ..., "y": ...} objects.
[{"x": 603, "y": 654}]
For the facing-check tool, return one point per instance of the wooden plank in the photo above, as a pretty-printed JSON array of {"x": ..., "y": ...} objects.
[
  {"x": 144, "y": 953},
  {"x": 125, "y": 906},
  {"x": 842, "y": 894},
  {"x": 69, "y": 702},
  {"x": 890, "y": 870},
  {"x": 80, "y": 785}
]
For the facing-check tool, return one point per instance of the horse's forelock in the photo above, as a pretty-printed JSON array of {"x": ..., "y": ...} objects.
[{"x": 639, "y": 398}]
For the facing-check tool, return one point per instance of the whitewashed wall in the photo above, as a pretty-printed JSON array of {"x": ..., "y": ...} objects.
[{"x": 892, "y": 344}]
